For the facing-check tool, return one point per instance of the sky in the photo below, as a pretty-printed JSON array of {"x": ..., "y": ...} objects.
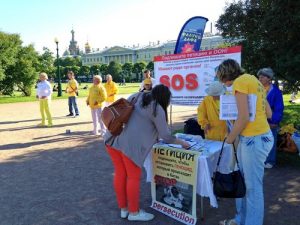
[{"x": 102, "y": 23}]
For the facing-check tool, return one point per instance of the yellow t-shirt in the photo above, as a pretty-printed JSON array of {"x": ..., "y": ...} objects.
[
  {"x": 111, "y": 89},
  {"x": 71, "y": 87},
  {"x": 248, "y": 84},
  {"x": 97, "y": 94},
  {"x": 208, "y": 113}
]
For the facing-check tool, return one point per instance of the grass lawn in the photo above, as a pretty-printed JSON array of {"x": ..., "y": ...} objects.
[{"x": 128, "y": 89}]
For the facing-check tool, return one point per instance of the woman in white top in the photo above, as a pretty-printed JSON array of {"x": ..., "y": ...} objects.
[{"x": 43, "y": 93}]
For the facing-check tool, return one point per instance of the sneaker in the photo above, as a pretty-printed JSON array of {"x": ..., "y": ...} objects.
[
  {"x": 70, "y": 114},
  {"x": 41, "y": 125},
  {"x": 124, "y": 214},
  {"x": 268, "y": 166},
  {"x": 77, "y": 114},
  {"x": 50, "y": 125},
  {"x": 141, "y": 216}
]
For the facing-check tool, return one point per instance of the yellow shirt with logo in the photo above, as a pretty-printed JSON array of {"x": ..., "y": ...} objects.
[
  {"x": 96, "y": 97},
  {"x": 71, "y": 88},
  {"x": 111, "y": 90},
  {"x": 208, "y": 113},
  {"x": 248, "y": 84}
]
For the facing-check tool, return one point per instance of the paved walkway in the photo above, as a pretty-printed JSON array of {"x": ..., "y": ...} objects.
[{"x": 48, "y": 177}]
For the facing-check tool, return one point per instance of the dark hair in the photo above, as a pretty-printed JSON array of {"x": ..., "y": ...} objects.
[
  {"x": 146, "y": 71},
  {"x": 229, "y": 70},
  {"x": 161, "y": 95}
]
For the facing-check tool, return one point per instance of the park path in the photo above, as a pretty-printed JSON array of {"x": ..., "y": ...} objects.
[{"x": 48, "y": 177}]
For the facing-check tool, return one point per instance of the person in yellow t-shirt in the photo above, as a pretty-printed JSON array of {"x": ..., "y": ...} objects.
[
  {"x": 72, "y": 90},
  {"x": 96, "y": 97},
  {"x": 208, "y": 113},
  {"x": 255, "y": 140},
  {"x": 111, "y": 90}
]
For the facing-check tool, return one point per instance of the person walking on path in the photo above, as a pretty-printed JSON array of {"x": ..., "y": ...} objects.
[
  {"x": 96, "y": 97},
  {"x": 111, "y": 90},
  {"x": 255, "y": 141},
  {"x": 72, "y": 90},
  {"x": 147, "y": 75},
  {"x": 275, "y": 100},
  {"x": 208, "y": 113},
  {"x": 43, "y": 93},
  {"x": 128, "y": 151}
]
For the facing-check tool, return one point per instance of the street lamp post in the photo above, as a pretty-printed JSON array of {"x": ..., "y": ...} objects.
[{"x": 58, "y": 70}]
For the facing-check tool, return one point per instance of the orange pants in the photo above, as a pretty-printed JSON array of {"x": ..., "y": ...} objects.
[{"x": 126, "y": 180}]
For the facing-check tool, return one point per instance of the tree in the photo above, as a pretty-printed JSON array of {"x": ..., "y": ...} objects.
[
  {"x": 95, "y": 69},
  {"x": 138, "y": 70},
  {"x": 24, "y": 73},
  {"x": 19, "y": 65},
  {"x": 267, "y": 40},
  {"x": 103, "y": 69},
  {"x": 114, "y": 69},
  {"x": 127, "y": 70},
  {"x": 10, "y": 45},
  {"x": 150, "y": 66},
  {"x": 46, "y": 64},
  {"x": 85, "y": 70}
]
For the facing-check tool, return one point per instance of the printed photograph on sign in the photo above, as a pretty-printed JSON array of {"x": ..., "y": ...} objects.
[{"x": 178, "y": 195}]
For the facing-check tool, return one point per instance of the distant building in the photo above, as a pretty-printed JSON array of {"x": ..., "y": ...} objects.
[
  {"x": 145, "y": 53},
  {"x": 73, "y": 49}
]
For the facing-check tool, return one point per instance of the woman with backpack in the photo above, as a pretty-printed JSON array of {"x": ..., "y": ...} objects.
[{"x": 128, "y": 151}]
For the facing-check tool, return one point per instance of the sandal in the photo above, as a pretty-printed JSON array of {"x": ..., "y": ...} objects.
[{"x": 228, "y": 222}]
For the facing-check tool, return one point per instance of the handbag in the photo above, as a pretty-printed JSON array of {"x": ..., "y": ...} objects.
[
  {"x": 116, "y": 115},
  {"x": 230, "y": 185}
]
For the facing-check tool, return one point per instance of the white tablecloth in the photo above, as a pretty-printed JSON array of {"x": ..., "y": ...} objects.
[{"x": 207, "y": 162}]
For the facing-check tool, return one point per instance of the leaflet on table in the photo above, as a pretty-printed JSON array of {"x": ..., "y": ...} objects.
[
  {"x": 196, "y": 142},
  {"x": 228, "y": 107}
]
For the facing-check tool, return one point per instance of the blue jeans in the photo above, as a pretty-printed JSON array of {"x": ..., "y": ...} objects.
[
  {"x": 271, "y": 159},
  {"x": 252, "y": 154},
  {"x": 73, "y": 104}
]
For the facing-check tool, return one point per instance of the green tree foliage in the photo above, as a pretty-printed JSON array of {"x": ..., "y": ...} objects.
[
  {"x": 127, "y": 70},
  {"x": 268, "y": 31},
  {"x": 150, "y": 66},
  {"x": 114, "y": 69},
  {"x": 103, "y": 69},
  {"x": 46, "y": 60},
  {"x": 95, "y": 69},
  {"x": 138, "y": 70},
  {"x": 85, "y": 71},
  {"x": 19, "y": 65},
  {"x": 10, "y": 45}
]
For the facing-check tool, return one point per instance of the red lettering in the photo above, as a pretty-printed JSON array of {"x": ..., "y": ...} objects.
[
  {"x": 165, "y": 80},
  {"x": 177, "y": 82},
  {"x": 192, "y": 82}
]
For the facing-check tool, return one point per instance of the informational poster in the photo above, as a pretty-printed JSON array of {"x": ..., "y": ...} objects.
[
  {"x": 228, "y": 107},
  {"x": 188, "y": 75},
  {"x": 173, "y": 186}
]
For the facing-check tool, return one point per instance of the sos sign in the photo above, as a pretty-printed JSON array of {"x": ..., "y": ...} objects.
[{"x": 178, "y": 82}]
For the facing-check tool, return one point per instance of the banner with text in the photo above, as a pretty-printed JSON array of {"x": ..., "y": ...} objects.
[
  {"x": 173, "y": 186},
  {"x": 188, "y": 75}
]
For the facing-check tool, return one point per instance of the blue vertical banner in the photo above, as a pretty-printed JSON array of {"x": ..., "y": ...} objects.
[{"x": 190, "y": 36}]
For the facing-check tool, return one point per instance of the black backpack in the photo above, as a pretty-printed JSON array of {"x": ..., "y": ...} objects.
[{"x": 191, "y": 126}]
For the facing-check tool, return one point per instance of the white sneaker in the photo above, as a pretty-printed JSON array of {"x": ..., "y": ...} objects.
[
  {"x": 124, "y": 214},
  {"x": 268, "y": 166},
  {"x": 141, "y": 216}
]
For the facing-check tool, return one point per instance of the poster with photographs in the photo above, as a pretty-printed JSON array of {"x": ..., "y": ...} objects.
[{"x": 174, "y": 181}]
